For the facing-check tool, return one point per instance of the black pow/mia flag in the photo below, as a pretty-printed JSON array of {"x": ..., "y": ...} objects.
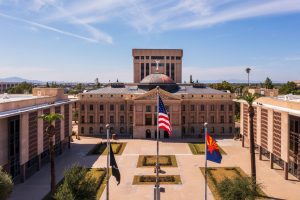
[{"x": 114, "y": 166}]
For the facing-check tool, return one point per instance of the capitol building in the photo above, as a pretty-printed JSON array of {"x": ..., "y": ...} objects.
[{"x": 130, "y": 108}]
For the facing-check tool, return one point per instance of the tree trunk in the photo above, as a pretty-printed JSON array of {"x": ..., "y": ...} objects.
[
  {"x": 50, "y": 131},
  {"x": 252, "y": 145}
]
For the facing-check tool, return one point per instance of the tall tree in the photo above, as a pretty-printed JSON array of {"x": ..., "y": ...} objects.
[
  {"x": 250, "y": 98},
  {"x": 51, "y": 118},
  {"x": 21, "y": 88},
  {"x": 248, "y": 70},
  {"x": 268, "y": 83},
  {"x": 288, "y": 88}
]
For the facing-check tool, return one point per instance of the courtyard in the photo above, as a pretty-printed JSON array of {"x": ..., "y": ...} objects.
[{"x": 188, "y": 167}]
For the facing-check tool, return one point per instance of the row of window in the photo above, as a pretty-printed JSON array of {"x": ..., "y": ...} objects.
[
  {"x": 192, "y": 119},
  {"x": 210, "y": 130},
  {"x": 111, "y": 119},
  {"x": 157, "y": 57},
  {"x": 203, "y": 107},
  {"x": 101, "y": 130},
  {"x": 111, "y": 107}
]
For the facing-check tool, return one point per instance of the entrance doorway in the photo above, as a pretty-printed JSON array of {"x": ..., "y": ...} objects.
[
  {"x": 148, "y": 133},
  {"x": 166, "y": 134}
]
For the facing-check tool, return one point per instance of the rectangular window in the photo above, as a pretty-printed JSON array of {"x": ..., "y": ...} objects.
[
  {"x": 212, "y": 129},
  {"x": 91, "y": 107},
  {"x": 137, "y": 57},
  {"x": 122, "y": 119},
  {"x": 168, "y": 69},
  {"x": 212, "y": 119},
  {"x": 172, "y": 57},
  {"x": 202, "y": 107},
  {"x": 192, "y": 107},
  {"x": 230, "y": 129},
  {"x": 222, "y": 130},
  {"x": 142, "y": 57},
  {"x": 173, "y": 71},
  {"x": 130, "y": 119},
  {"x": 178, "y": 58},
  {"x": 148, "y": 108},
  {"x": 168, "y": 57},
  {"x": 192, "y": 119},
  {"x": 182, "y": 107},
  {"x": 222, "y": 119},
  {"x": 142, "y": 70},
  {"x": 147, "y": 57},
  {"x": 147, "y": 69},
  {"x": 91, "y": 119},
  {"x": 230, "y": 108},
  {"x": 82, "y": 119},
  {"x": 183, "y": 120},
  {"x": 122, "y": 107},
  {"x": 82, "y": 107},
  {"x": 230, "y": 119},
  {"x": 131, "y": 108},
  {"x": 212, "y": 108},
  {"x": 112, "y": 107},
  {"x": 101, "y": 107},
  {"x": 101, "y": 119},
  {"x": 148, "y": 120},
  {"x": 222, "y": 108},
  {"x": 111, "y": 119},
  {"x": 201, "y": 119}
]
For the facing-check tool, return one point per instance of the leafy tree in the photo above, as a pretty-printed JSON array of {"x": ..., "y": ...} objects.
[
  {"x": 78, "y": 185},
  {"x": 268, "y": 83},
  {"x": 47, "y": 85},
  {"x": 223, "y": 86},
  {"x": 250, "y": 98},
  {"x": 21, "y": 88},
  {"x": 288, "y": 88},
  {"x": 51, "y": 118},
  {"x": 238, "y": 188},
  {"x": 6, "y": 185}
]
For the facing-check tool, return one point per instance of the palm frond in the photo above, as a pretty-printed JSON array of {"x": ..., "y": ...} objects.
[
  {"x": 50, "y": 118},
  {"x": 249, "y": 98}
]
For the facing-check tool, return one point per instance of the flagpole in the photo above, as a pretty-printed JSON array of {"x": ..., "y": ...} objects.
[
  {"x": 108, "y": 160},
  {"x": 205, "y": 173},
  {"x": 157, "y": 190}
]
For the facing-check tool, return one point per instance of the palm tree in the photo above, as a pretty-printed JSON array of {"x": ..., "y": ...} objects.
[
  {"x": 248, "y": 70},
  {"x": 51, "y": 118},
  {"x": 250, "y": 98}
]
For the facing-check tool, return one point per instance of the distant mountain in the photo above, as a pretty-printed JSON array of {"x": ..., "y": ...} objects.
[{"x": 18, "y": 80}]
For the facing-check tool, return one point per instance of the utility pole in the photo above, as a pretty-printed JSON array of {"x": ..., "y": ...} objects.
[{"x": 157, "y": 188}]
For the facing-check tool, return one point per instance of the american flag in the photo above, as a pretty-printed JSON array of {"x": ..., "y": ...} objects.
[{"x": 163, "y": 118}]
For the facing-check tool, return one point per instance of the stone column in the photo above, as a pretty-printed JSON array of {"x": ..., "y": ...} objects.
[
  {"x": 271, "y": 161},
  {"x": 286, "y": 170}
]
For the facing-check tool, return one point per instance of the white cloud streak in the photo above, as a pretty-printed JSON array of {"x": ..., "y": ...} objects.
[{"x": 49, "y": 28}]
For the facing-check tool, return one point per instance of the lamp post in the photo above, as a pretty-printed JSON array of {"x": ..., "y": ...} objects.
[{"x": 108, "y": 161}]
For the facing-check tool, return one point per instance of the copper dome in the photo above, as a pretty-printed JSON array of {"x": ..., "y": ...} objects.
[{"x": 157, "y": 79}]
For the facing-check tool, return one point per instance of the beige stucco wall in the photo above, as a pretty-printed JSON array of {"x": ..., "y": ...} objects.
[
  {"x": 284, "y": 136},
  {"x": 258, "y": 125},
  {"x": 40, "y": 135},
  {"x": 24, "y": 138},
  {"x": 62, "y": 123},
  {"x": 270, "y": 130},
  {"x": 3, "y": 142}
]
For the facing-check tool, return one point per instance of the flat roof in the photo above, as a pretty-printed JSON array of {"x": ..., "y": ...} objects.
[{"x": 5, "y": 98}]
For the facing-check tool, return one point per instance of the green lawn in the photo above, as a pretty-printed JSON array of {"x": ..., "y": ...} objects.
[
  {"x": 216, "y": 175},
  {"x": 101, "y": 148},
  {"x": 151, "y": 179},
  {"x": 199, "y": 148},
  {"x": 150, "y": 161}
]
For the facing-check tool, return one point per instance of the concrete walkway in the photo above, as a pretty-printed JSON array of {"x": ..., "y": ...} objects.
[{"x": 188, "y": 168}]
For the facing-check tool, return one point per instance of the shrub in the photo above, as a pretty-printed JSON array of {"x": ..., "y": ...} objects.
[
  {"x": 78, "y": 184},
  {"x": 6, "y": 185},
  {"x": 238, "y": 188}
]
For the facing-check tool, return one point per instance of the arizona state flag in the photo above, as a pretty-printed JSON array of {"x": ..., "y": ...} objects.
[
  {"x": 114, "y": 166},
  {"x": 212, "y": 152}
]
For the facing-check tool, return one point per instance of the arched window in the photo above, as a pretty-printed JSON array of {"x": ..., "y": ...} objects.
[
  {"x": 192, "y": 130},
  {"x": 91, "y": 130},
  {"x": 101, "y": 129}
]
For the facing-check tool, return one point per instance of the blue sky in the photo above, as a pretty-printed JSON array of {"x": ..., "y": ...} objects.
[{"x": 80, "y": 40}]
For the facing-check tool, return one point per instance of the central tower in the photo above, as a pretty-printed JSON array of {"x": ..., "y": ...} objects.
[{"x": 170, "y": 63}]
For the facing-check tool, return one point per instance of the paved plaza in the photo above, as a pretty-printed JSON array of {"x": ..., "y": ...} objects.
[{"x": 192, "y": 186}]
